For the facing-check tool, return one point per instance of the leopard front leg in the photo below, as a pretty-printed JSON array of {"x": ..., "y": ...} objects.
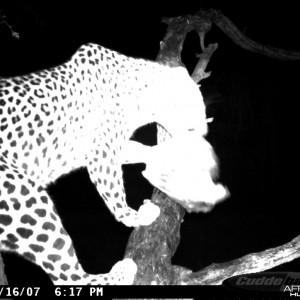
[
  {"x": 105, "y": 171},
  {"x": 31, "y": 227}
]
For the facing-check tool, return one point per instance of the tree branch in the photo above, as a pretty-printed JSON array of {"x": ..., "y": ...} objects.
[
  {"x": 13, "y": 33},
  {"x": 251, "y": 263},
  {"x": 152, "y": 247},
  {"x": 245, "y": 42}
]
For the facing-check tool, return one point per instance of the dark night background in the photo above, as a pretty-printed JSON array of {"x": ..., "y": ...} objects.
[{"x": 252, "y": 98}]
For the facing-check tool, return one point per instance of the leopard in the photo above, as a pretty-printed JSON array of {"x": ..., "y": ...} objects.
[{"x": 81, "y": 114}]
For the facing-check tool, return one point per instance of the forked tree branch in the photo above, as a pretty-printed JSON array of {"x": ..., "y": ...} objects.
[
  {"x": 152, "y": 247},
  {"x": 3, "y": 21}
]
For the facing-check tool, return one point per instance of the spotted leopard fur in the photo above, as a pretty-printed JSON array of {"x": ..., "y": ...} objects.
[{"x": 80, "y": 114}]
